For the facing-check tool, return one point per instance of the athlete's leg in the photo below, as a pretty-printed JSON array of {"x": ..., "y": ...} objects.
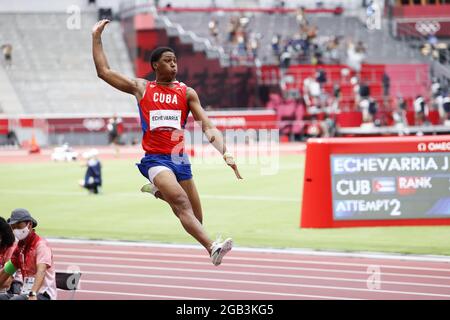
[
  {"x": 150, "y": 187},
  {"x": 178, "y": 200},
  {"x": 192, "y": 193}
]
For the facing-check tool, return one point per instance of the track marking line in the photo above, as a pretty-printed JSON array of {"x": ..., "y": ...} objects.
[
  {"x": 364, "y": 290},
  {"x": 296, "y": 251},
  {"x": 240, "y": 265},
  {"x": 231, "y": 272},
  {"x": 200, "y": 256},
  {"x": 138, "y": 195},
  {"x": 135, "y": 275},
  {"x": 213, "y": 289},
  {"x": 139, "y": 295}
]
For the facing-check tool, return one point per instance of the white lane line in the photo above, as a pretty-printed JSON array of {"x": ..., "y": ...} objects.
[
  {"x": 139, "y": 295},
  {"x": 299, "y": 261},
  {"x": 296, "y": 251},
  {"x": 98, "y": 265},
  {"x": 203, "y": 263},
  {"x": 250, "y": 198},
  {"x": 138, "y": 194},
  {"x": 366, "y": 290},
  {"x": 215, "y": 289},
  {"x": 135, "y": 275},
  {"x": 274, "y": 275}
]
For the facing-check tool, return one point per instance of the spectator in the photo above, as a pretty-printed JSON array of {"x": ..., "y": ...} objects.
[
  {"x": 399, "y": 115},
  {"x": 420, "y": 110},
  {"x": 285, "y": 58},
  {"x": 276, "y": 45},
  {"x": 321, "y": 77},
  {"x": 332, "y": 51},
  {"x": 253, "y": 44},
  {"x": 314, "y": 89},
  {"x": 300, "y": 17},
  {"x": 311, "y": 32},
  {"x": 244, "y": 21},
  {"x": 312, "y": 95},
  {"x": 314, "y": 128},
  {"x": 355, "y": 55},
  {"x": 337, "y": 93},
  {"x": 233, "y": 24},
  {"x": 435, "y": 88},
  {"x": 93, "y": 176},
  {"x": 432, "y": 40},
  {"x": 446, "y": 110},
  {"x": 386, "y": 82},
  {"x": 7, "y": 54},
  {"x": 373, "y": 109},
  {"x": 279, "y": 4},
  {"x": 33, "y": 257},
  {"x": 274, "y": 102},
  {"x": 401, "y": 104},
  {"x": 11, "y": 139},
  {"x": 329, "y": 126},
  {"x": 316, "y": 58},
  {"x": 364, "y": 90},
  {"x": 213, "y": 26},
  {"x": 345, "y": 74},
  {"x": 7, "y": 246},
  {"x": 115, "y": 130}
]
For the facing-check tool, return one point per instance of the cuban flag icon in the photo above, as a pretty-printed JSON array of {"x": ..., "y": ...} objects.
[{"x": 383, "y": 185}]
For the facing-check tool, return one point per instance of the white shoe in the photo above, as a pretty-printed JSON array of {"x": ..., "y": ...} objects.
[
  {"x": 220, "y": 249},
  {"x": 150, "y": 188}
]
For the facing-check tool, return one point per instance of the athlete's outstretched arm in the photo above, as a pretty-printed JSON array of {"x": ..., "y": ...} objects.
[
  {"x": 135, "y": 87},
  {"x": 214, "y": 135}
]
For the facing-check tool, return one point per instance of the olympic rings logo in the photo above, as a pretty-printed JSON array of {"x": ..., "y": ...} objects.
[{"x": 427, "y": 27}]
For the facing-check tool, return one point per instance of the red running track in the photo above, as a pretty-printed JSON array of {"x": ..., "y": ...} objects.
[{"x": 133, "y": 271}]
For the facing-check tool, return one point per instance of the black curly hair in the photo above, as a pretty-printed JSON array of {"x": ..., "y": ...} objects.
[
  {"x": 157, "y": 53},
  {"x": 7, "y": 237}
]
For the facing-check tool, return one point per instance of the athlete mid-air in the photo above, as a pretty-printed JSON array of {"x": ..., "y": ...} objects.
[{"x": 164, "y": 105}]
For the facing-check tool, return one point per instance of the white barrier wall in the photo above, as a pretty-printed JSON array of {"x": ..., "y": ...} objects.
[
  {"x": 25, "y": 6},
  {"x": 62, "y": 5}
]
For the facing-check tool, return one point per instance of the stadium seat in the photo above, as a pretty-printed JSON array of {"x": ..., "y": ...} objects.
[
  {"x": 349, "y": 119},
  {"x": 434, "y": 117},
  {"x": 58, "y": 76}
]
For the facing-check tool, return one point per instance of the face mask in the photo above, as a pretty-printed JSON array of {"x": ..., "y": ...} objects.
[{"x": 21, "y": 233}]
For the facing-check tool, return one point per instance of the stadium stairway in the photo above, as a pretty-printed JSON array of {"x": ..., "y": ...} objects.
[
  {"x": 198, "y": 40},
  {"x": 9, "y": 100},
  {"x": 53, "y": 70}
]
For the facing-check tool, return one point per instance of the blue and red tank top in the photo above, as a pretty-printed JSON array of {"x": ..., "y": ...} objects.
[{"x": 163, "y": 111}]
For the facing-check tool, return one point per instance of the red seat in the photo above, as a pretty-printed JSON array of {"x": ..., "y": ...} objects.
[
  {"x": 433, "y": 117},
  {"x": 410, "y": 118},
  {"x": 349, "y": 119},
  {"x": 376, "y": 91}
]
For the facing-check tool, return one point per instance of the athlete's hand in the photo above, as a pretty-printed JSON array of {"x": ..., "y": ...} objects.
[
  {"x": 97, "y": 29},
  {"x": 228, "y": 157}
]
